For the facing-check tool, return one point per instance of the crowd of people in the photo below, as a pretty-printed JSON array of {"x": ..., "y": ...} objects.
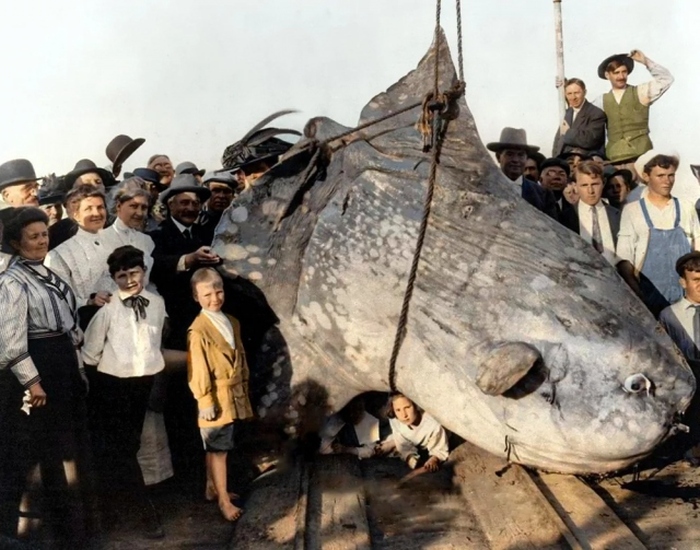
[{"x": 104, "y": 282}]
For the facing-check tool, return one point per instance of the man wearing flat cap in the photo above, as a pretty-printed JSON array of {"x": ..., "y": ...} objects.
[
  {"x": 627, "y": 107},
  {"x": 18, "y": 184},
  {"x": 511, "y": 153},
  {"x": 223, "y": 187}
]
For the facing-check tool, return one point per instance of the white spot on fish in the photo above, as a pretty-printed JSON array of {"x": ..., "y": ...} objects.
[
  {"x": 542, "y": 282},
  {"x": 235, "y": 252},
  {"x": 266, "y": 400},
  {"x": 316, "y": 312},
  {"x": 254, "y": 260},
  {"x": 271, "y": 261},
  {"x": 277, "y": 371},
  {"x": 262, "y": 412},
  {"x": 255, "y": 276},
  {"x": 270, "y": 388},
  {"x": 252, "y": 248},
  {"x": 239, "y": 214}
]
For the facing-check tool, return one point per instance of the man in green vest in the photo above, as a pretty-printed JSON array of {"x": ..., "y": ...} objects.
[{"x": 627, "y": 107}]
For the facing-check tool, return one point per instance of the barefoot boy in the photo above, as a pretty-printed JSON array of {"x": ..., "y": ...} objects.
[{"x": 218, "y": 378}]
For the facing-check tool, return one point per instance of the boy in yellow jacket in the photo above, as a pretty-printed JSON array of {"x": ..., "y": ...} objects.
[{"x": 218, "y": 378}]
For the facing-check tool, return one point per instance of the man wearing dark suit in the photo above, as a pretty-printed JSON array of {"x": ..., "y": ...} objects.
[
  {"x": 512, "y": 153},
  {"x": 597, "y": 223},
  {"x": 583, "y": 126},
  {"x": 180, "y": 248}
]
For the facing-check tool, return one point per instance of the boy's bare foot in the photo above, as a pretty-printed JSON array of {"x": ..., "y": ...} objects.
[
  {"x": 229, "y": 511},
  {"x": 211, "y": 495}
]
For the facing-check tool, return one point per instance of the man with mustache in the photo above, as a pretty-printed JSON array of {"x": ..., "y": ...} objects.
[
  {"x": 18, "y": 184},
  {"x": 627, "y": 107},
  {"x": 511, "y": 153}
]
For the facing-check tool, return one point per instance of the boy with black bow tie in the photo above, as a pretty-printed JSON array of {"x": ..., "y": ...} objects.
[{"x": 123, "y": 343}]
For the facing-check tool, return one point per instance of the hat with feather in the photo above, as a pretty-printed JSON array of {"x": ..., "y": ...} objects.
[{"x": 258, "y": 144}]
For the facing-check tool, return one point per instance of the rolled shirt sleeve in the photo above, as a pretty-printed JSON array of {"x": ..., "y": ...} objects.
[
  {"x": 14, "y": 350},
  {"x": 661, "y": 81}
]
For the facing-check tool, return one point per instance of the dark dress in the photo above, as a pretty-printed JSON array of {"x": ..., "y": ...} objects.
[{"x": 41, "y": 342}]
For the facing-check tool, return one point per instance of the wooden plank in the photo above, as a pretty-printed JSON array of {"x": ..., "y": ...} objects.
[
  {"x": 336, "y": 516},
  {"x": 510, "y": 512},
  {"x": 589, "y": 518}
]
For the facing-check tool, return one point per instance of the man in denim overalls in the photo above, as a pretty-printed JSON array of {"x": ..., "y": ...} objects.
[{"x": 654, "y": 232}]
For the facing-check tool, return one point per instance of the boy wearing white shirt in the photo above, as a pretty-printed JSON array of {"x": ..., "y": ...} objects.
[
  {"x": 218, "y": 377},
  {"x": 597, "y": 223},
  {"x": 122, "y": 343}
]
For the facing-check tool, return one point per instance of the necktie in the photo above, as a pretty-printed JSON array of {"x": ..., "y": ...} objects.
[
  {"x": 138, "y": 304},
  {"x": 597, "y": 238},
  {"x": 187, "y": 233}
]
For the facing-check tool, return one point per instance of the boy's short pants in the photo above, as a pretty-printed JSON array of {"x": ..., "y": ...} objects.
[{"x": 218, "y": 439}]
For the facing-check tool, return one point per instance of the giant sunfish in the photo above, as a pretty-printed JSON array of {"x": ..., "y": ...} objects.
[{"x": 521, "y": 338}]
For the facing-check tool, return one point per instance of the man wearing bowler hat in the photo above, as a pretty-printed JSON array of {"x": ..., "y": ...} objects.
[
  {"x": 18, "y": 184},
  {"x": 119, "y": 149},
  {"x": 180, "y": 248},
  {"x": 511, "y": 153},
  {"x": 627, "y": 107}
]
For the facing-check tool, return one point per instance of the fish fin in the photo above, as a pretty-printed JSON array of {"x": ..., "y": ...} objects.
[{"x": 505, "y": 366}]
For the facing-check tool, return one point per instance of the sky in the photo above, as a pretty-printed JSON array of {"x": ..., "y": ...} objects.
[{"x": 193, "y": 76}]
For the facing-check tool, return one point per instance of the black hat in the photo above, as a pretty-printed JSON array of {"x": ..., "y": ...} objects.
[
  {"x": 146, "y": 174},
  {"x": 680, "y": 263},
  {"x": 623, "y": 58},
  {"x": 626, "y": 175},
  {"x": 575, "y": 152},
  {"x": 121, "y": 148},
  {"x": 14, "y": 172},
  {"x": 86, "y": 166},
  {"x": 184, "y": 183},
  {"x": 512, "y": 138},
  {"x": 188, "y": 167},
  {"x": 556, "y": 161},
  {"x": 539, "y": 158}
]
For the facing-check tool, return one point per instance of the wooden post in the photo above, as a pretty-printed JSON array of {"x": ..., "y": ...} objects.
[{"x": 559, "y": 36}]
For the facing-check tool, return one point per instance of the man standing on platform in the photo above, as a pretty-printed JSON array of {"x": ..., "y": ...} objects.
[{"x": 627, "y": 107}]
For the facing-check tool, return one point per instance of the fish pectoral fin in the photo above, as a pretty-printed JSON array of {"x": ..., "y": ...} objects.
[{"x": 505, "y": 366}]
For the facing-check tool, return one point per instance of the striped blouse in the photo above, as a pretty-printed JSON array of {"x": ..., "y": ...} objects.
[{"x": 37, "y": 303}]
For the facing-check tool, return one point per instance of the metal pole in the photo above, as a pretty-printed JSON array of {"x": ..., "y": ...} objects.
[{"x": 560, "y": 55}]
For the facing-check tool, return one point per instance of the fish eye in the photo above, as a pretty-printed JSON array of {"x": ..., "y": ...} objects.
[{"x": 637, "y": 383}]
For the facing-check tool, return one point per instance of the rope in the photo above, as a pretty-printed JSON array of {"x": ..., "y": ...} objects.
[
  {"x": 438, "y": 130},
  {"x": 460, "y": 55}
]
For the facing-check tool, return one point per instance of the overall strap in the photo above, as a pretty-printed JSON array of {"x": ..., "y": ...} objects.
[
  {"x": 647, "y": 218},
  {"x": 677, "y": 222}
]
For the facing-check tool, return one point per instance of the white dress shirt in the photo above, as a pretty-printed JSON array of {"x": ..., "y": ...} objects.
[
  {"x": 181, "y": 262},
  {"x": 648, "y": 92},
  {"x": 122, "y": 346},
  {"x": 81, "y": 261},
  {"x": 585, "y": 223},
  {"x": 677, "y": 320},
  {"x": 633, "y": 238}
]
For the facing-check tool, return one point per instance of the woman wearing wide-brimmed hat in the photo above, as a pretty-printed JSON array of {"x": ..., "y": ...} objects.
[{"x": 43, "y": 384}]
